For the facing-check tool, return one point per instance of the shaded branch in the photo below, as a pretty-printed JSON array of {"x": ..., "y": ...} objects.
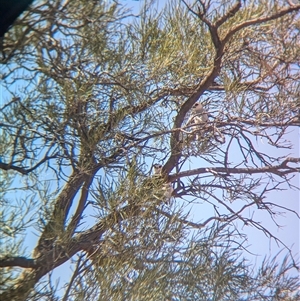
[
  {"x": 25, "y": 171},
  {"x": 187, "y": 105},
  {"x": 55, "y": 226},
  {"x": 280, "y": 170},
  {"x": 81, "y": 204},
  {"x": 57, "y": 255},
  {"x": 197, "y": 225},
  {"x": 21, "y": 170},
  {"x": 21, "y": 261},
  {"x": 259, "y": 20},
  {"x": 229, "y": 14}
]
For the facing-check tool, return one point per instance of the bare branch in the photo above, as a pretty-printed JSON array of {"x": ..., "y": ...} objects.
[
  {"x": 19, "y": 261},
  {"x": 281, "y": 169},
  {"x": 235, "y": 8},
  {"x": 260, "y": 20}
]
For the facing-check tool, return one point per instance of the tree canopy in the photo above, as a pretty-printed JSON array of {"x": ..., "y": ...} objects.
[{"x": 95, "y": 93}]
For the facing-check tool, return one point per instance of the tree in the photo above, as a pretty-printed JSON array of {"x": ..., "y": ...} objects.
[{"x": 94, "y": 95}]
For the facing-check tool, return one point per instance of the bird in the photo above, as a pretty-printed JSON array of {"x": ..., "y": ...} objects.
[
  {"x": 157, "y": 169},
  {"x": 198, "y": 117},
  {"x": 199, "y": 112},
  {"x": 168, "y": 192},
  {"x": 167, "y": 187}
]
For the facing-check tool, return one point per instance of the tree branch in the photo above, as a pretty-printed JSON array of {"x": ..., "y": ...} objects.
[
  {"x": 56, "y": 256},
  {"x": 260, "y": 20},
  {"x": 22, "y": 262},
  {"x": 22, "y": 170},
  {"x": 83, "y": 198},
  {"x": 229, "y": 14},
  {"x": 280, "y": 169},
  {"x": 55, "y": 226}
]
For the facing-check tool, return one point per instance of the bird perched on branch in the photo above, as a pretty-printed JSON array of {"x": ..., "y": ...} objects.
[
  {"x": 199, "y": 112},
  {"x": 157, "y": 169},
  {"x": 198, "y": 117},
  {"x": 167, "y": 188}
]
